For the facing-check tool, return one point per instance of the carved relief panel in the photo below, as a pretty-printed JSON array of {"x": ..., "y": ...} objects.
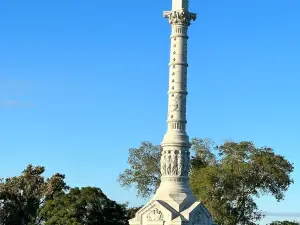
[
  {"x": 155, "y": 215},
  {"x": 175, "y": 163}
]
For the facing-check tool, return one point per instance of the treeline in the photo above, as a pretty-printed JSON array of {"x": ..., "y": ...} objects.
[
  {"x": 30, "y": 199},
  {"x": 227, "y": 178}
]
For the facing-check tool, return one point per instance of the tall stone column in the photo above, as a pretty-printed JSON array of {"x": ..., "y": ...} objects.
[{"x": 174, "y": 203}]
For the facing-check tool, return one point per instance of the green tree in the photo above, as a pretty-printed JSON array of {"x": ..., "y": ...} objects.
[
  {"x": 30, "y": 199},
  {"x": 225, "y": 178},
  {"x": 131, "y": 211},
  {"x": 85, "y": 206},
  {"x": 284, "y": 223},
  {"x": 22, "y": 196},
  {"x": 144, "y": 169}
]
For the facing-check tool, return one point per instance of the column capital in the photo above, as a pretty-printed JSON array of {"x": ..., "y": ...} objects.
[{"x": 180, "y": 17}]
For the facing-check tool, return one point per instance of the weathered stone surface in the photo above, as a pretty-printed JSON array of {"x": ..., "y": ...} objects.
[{"x": 174, "y": 202}]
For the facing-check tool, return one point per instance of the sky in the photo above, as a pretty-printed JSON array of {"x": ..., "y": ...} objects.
[{"x": 81, "y": 82}]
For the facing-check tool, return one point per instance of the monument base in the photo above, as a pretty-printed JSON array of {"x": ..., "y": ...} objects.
[{"x": 158, "y": 212}]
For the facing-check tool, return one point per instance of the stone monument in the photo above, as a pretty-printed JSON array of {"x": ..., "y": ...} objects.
[{"x": 174, "y": 203}]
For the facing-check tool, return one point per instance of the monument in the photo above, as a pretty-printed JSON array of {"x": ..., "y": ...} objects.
[{"x": 174, "y": 203}]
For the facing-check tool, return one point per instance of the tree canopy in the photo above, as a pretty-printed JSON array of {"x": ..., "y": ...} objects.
[
  {"x": 88, "y": 206},
  {"x": 284, "y": 223},
  {"x": 226, "y": 178},
  {"x": 22, "y": 196},
  {"x": 30, "y": 199},
  {"x": 144, "y": 169}
]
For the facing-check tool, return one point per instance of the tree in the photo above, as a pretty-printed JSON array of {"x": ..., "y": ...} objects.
[
  {"x": 29, "y": 199},
  {"x": 22, "y": 196},
  {"x": 131, "y": 211},
  {"x": 284, "y": 223},
  {"x": 85, "y": 206},
  {"x": 144, "y": 169},
  {"x": 225, "y": 178}
]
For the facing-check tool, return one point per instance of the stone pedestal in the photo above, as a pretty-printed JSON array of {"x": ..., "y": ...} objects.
[
  {"x": 173, "y": 204},
  {"x": 158, "y": 212}
]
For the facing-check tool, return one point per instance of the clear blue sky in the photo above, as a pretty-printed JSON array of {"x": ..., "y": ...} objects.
[{"x": 83, "y": 81}]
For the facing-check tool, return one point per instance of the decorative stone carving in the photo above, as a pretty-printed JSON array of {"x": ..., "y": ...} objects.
[
  {"x": 177, "y": 104},
  {"x": 179, "y": 100},
  {"x": 169, "y": 165},
  {"x": 174, "y": 164},
  {"x": 163, "y": 163},
  {"x": 179, "y": 163},
  {"x": 186, "y": 163},
  {"x": 174, "y": 106},
  {"x": 155, "y": 215},
  {"x": 180, "y": 17}
]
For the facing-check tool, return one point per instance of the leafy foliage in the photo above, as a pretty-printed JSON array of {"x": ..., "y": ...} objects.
[
  {"x": 86, "y": 206},
  {"x": 144, "y": 169},
  {"x": 29, "y": 199},
  {"x": 130, "y": 212},
  {"x": 225, "y": 178},
  {"x": 284, "y": 223},
  {"x": 22, "y": 196},
  {"x": 241, "y": 173}
]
